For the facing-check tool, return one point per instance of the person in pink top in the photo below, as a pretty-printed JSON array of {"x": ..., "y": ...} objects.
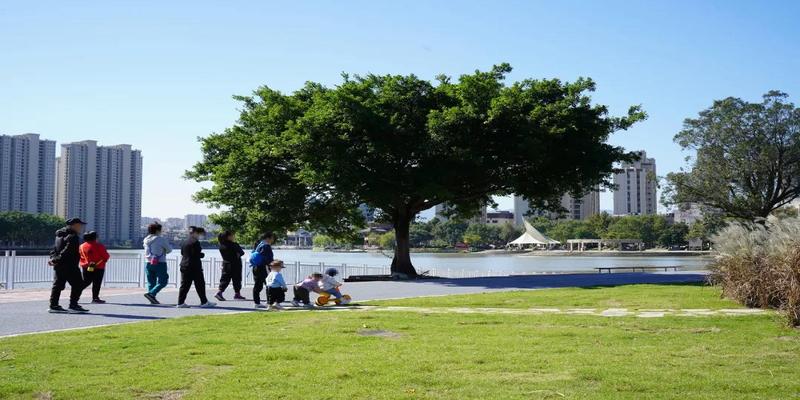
[{"x": 303, "y": 289}]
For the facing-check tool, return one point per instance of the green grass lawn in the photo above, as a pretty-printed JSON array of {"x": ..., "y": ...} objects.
[{"x": 325, "y": 354}]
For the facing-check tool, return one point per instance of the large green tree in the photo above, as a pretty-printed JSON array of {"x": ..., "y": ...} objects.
[
  {"x": 747, "y": 161},
  {"x": 19, "y": 228},
  {"x": 402, "y": 144}
]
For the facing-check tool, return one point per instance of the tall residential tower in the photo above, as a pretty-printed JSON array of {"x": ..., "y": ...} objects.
[
  {"x": 27, "y": 169},
  {"x": 577, "y": 207},
  {"x": 636, "y": 187},
  {"x": 102, "y": 185}
]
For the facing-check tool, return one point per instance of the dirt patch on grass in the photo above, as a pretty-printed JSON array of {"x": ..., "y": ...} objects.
[
  {"x": 379, "y": 333},
  {"x": 6, "y": 355},
  {"x": 43, "y": 396},
  {"x": 712, "y": 329},
  {"x": 166, "y": 395}
]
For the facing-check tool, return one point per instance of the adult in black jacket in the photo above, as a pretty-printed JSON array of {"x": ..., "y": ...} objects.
[
  {"x": 192, "y": 269},
  {"x": 231, "y": 265},
  {"x": 65, "y": 259},
  {"x": 260, "y": 272}
]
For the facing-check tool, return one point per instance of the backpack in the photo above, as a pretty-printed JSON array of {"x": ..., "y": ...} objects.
[{"x": 256, "y": 258}]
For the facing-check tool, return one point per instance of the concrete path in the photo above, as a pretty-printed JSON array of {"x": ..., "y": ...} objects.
[{"x": 26, "y": 311}]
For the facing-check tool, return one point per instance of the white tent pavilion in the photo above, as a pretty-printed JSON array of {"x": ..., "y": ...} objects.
[{"x": 532, "y": 237}]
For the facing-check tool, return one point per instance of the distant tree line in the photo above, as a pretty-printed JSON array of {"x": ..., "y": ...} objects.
[
  {"x": 21, "y": 229},
  {"x": 653, "y": 230}
]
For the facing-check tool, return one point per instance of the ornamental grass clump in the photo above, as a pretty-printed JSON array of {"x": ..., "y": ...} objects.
[{"x": 759, "y": 265}]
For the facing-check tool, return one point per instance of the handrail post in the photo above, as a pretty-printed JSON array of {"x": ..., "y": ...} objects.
[
  {"x": 7, "y": 263},
  {"x": 11, "y": 267},
  {"x": 141, "y": 270}
]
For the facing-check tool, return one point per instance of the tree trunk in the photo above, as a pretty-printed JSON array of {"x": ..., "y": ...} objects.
[{"x": 401, "y": 263}]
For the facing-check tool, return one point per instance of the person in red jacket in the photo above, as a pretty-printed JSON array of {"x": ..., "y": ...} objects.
[{"x": 93, "y": 262}]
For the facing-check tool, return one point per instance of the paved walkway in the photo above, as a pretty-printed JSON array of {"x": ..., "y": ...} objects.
[{"x": 26, "y": 311}]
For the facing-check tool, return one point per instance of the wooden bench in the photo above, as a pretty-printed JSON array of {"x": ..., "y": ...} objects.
[{"x": 639, "y": 268}]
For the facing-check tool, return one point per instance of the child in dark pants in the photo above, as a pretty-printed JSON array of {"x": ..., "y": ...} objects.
[
  {"x": 276, "y": 286},
  {"x": 303, "y": 289}
]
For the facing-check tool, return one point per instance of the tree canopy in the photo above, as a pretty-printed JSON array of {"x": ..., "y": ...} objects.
[
  {"x": 747, "y": 161},
  {"x": 26, "y": 229},
  {"x": 402, "y": 144}
]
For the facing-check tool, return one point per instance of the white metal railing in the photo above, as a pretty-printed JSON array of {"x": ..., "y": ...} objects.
[{"x": 127, "y": 270}]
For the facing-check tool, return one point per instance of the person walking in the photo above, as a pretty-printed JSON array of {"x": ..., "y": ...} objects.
[
  {"x": 231, "y": 265},
  {"x": 94, "y": 257},
  {"x": 260, "y": 259},
  {"x": 192, "y": 269},
  {"x": 65, "y": 259},
  {"x": 156, "y": 248}
]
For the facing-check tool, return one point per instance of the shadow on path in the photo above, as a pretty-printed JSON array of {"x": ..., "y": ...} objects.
[{"x": 120, "y": 316}]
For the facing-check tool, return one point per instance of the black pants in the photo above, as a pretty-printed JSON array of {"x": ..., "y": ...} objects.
[
  {"x": 231, "y": 273},
  {"x": 95, "y": 279},
  {"x": 301, "y": 294},
  {"x": 189, "y": 276},
  {"x": 63, "y": 275},
  {"x": 275, "y": 295},
  {"x": 259, "y": 279}
]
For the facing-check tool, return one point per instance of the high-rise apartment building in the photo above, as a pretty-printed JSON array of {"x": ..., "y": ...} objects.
[
  {"x": 581, "y": 207},
  {"x": 636, "y": 187},
  {"x": 26, "y": 173},
  {"x": 576, "y": 207},
  {"x": 103, "y": 186}
]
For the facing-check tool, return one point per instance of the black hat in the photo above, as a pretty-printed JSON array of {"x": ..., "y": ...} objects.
[{"x": 72, "y": 221}]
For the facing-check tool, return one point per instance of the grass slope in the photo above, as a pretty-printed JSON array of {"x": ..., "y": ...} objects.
[{"x": 325, "y": 354}]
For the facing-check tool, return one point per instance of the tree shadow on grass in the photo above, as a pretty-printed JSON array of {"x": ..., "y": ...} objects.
[{"x": 571, "y": 280}]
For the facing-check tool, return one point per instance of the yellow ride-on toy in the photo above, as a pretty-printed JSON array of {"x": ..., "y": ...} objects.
[{"x": 325, "y": 298}]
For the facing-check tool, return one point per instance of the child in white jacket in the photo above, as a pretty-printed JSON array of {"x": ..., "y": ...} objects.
[
  {"x": 329, "y": 284},
  {"x": 276, "y": 286}
]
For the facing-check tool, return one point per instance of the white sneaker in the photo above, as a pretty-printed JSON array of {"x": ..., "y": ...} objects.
[
  {"x": 183, "y": 305},
  {"x": 278, "y": 307},
  {"x": 295, "y": 303},
  {"x": 259, "y": 306},
  {"x": 208, "y": 304},
  {"x": 268, "y": 308}
]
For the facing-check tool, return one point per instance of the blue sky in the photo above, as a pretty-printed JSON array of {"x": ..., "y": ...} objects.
[{"x": 159, "y": 74}]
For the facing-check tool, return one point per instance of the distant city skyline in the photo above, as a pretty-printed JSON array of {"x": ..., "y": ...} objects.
[{"x": 160, "y": 74}]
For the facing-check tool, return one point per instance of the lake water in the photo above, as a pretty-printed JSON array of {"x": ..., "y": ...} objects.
[{"x": 500, "y": 263}]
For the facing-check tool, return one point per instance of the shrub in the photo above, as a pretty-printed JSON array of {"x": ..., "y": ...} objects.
[{"x": 759, "y": 265}]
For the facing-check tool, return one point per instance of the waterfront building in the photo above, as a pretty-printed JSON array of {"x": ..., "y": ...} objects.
[
  {"x": 103, "y": 186},
  {"x": 636, "y": 187},
  {"x": 499, "y": 217},
  {"x": 27, "y": 173},
  {"x": 576, "y": 207}
]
